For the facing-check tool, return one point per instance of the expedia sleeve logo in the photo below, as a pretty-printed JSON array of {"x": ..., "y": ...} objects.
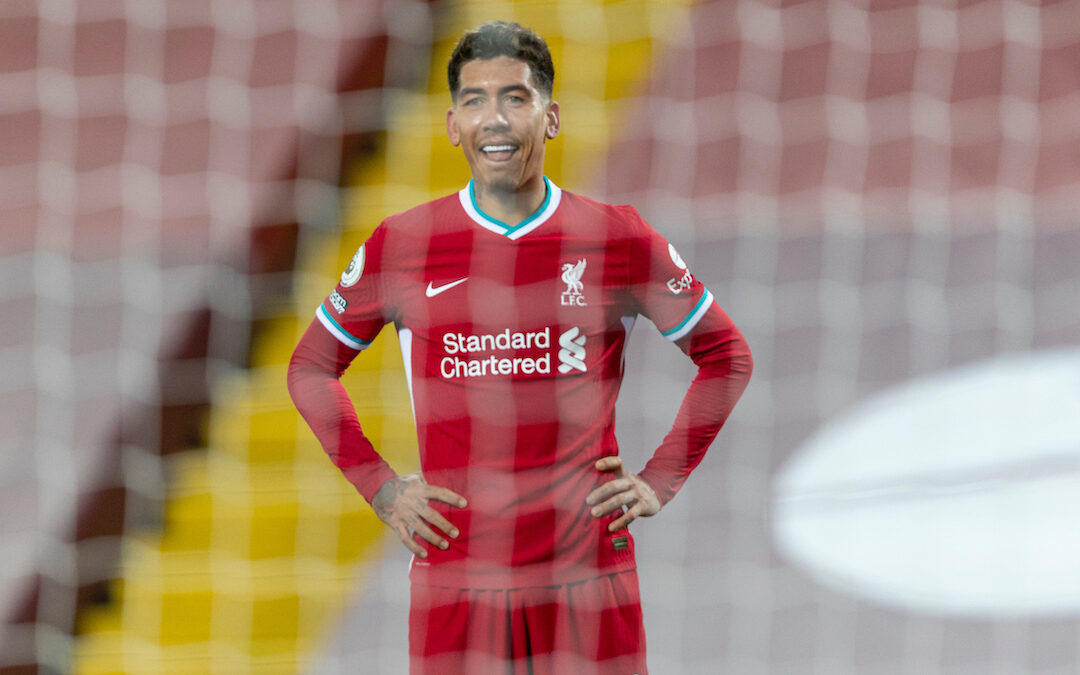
[{"x": 684, "y": 282}]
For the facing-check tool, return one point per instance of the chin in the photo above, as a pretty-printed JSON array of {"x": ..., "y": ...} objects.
[{"x": 501, "y": 182}]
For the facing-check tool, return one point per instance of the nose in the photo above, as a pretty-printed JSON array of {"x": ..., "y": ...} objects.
[{"x": 495, "y": 118}]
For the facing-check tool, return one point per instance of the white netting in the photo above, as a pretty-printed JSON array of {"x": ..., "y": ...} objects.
[
  {"x": 157, "y": 157},
  {"x": 874, "y": 191}
]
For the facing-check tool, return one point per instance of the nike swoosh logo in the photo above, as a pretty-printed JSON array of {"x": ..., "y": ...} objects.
[{"x": 432, "y": 291}]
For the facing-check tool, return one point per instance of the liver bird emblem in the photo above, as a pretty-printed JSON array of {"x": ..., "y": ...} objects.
[{"x": 571, "y": 276}]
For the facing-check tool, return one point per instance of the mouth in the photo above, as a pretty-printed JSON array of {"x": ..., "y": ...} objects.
[{"x": 498, "y": 152}]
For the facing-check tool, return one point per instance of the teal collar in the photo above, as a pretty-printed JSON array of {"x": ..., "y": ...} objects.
[{"x": 552, "y": 197}]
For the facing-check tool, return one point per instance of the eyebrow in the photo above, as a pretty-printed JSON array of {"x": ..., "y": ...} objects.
[{"x": 503, "y": 90}]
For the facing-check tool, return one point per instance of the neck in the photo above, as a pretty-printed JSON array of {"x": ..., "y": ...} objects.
[{"x": 511, "y": 207}]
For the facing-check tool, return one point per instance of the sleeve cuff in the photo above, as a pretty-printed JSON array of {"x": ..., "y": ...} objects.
[{"x": 368, "y": 479}]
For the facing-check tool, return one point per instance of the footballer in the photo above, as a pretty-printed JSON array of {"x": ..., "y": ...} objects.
[{"x": 513, "y": 300}]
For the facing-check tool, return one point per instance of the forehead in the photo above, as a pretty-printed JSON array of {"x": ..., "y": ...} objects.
[{"x": 498, "y": 72}]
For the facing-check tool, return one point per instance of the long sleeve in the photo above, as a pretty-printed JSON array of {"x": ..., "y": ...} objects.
[
  {"x": 314, "y": 384},
  {"x": 724, "y": 365}
]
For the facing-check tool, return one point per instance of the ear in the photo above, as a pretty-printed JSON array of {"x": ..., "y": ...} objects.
[
  {"x": 451, "y": 128},
  {"x": 552, "y": 118}
]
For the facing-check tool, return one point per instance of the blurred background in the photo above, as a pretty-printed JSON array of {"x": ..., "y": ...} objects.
[{"x": 883, "y": 195}]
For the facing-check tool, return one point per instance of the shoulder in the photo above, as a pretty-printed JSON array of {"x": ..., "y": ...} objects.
[
  {"x": 423, "y": 216},
  {"x": 407, "y": 233},
  {"x": 618, "y": 219}
]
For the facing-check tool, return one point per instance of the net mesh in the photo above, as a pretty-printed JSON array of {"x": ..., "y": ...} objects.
[
  {"x": 874, "y": 192},
  {"x": 158, "y": 159}
]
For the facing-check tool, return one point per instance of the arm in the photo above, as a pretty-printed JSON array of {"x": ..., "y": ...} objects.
[
  {"x": 401, "y": 502},
  {"x": 724, "y": 365}
]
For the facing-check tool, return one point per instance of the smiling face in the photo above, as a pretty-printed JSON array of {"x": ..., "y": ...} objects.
[{"x": 501, "y": 121}]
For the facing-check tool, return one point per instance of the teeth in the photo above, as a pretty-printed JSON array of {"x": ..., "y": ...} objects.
[{"x": 497, "y": 148}]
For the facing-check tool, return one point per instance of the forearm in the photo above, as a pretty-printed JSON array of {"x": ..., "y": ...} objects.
[
  {"x": 313, "y": 378},
  {"x": 724, "y": 367}
]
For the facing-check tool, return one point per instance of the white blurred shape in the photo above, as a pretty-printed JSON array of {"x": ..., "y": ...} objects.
[{"x": 956, "y": 493}]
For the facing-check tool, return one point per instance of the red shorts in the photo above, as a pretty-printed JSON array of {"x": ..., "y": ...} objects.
[{"x": 587, "y": 627}]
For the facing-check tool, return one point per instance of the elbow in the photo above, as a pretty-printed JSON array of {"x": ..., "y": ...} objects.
[
  {"x": 745, "y": 359},
  {"x": 736, "y": 364},
  {"x": 294, "y": 377}
]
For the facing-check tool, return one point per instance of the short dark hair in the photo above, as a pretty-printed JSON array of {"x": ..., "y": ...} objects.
[{"x": 503, "y": 38}]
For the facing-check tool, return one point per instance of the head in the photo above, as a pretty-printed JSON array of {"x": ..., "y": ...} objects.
[
  {"x": 501, "y": 78},
  {"x": 502, "y": 38}
]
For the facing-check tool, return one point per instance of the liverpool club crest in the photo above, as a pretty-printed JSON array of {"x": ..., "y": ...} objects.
[{"x": 574, "y": 295}]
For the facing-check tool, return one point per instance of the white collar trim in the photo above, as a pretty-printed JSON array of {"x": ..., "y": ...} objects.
[{"x": 551, "y": 202}]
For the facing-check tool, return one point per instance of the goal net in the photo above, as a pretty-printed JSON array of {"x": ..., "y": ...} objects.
[{"x": 881, "y": 195}]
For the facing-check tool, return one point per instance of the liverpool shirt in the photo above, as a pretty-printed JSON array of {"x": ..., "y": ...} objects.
[{"x": 513, "y": 339}]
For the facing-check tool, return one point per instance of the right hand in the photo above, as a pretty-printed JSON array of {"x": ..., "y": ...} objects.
[{"x": 402, "y": 503}]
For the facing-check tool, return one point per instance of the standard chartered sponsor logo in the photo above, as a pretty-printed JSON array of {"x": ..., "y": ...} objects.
[
  {"x": 572, "y": 354},
  {"x": 456, "y": 344},
  {"x": 465, "y": 353}
]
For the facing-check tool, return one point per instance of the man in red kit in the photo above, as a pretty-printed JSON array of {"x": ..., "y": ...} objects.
[{"x": 513, "y": 300}]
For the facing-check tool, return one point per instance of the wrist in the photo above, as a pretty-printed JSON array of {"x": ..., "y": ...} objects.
[{"x": 383, "y": 499}]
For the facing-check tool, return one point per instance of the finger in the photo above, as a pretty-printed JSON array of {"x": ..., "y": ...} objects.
[
  {"x": 611, "y": 463},
  {"x": 625, "y": 519},
  {"x": 444, "y": 495},
  {"x": 406, "y": 538},
  {"x": 429, "y": 535},
  {"x": 607, "y": 489},
  {"x": 435, "y": 518},
  {"x": 616, "y": 502},
  {"x": 620, "y": 522}
]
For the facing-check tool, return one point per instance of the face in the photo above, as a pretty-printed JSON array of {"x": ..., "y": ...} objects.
[{"x": 501, "y": 121}]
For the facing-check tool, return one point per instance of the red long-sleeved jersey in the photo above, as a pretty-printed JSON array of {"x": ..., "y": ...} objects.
[{"x": 513, "y": 340}]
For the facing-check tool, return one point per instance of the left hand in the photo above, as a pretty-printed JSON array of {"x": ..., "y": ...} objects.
[{"x": 627, "y": 489}]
